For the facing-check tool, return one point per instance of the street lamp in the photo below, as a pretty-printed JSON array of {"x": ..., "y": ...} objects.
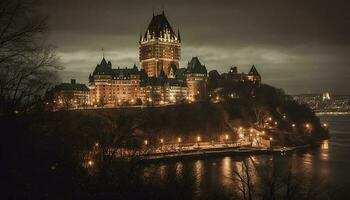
[
  {"x": 293, "y": 125},
  {"x": 307, "y": 125},
  {"x": 179, "y": 140},
  {"x": 90, "y": 163}
]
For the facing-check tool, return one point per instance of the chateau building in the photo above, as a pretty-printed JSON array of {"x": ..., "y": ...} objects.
[
  {"x": 114, "y": 86},
  {"x": 159, "y": 47},
  {"x": 160, "y": 80},
  {"x": 68, "y": 95},
  {"x": 196, "y": 79}
]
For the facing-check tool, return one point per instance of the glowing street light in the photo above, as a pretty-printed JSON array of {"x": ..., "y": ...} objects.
[
  {"x": 198, "y": 139},
  {"x": 325, "y": 125},
  {"x": 90, "y": 163},
  {"x": 263, "y": 132},
  {"x": 293, "y": 125},
  {"x": 179, "y": 140},
  {"x": 146, "y": 142},
  {"x": 271, "y": 139},
  {"x": 270, "y": 119},
  {"x": 241, "y": 136},
  {"x": 276, "y": 123},
  {"x": 97, "y": 144},
  {"x": 226, "y": 137},
  {"x": 161, "y": 140},
  {"x": 307, "y": 125}
]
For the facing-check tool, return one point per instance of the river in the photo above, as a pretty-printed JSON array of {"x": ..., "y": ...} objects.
[{"x": 210, "y": 178}]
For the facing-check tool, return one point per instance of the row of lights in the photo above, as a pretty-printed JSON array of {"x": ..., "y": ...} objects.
[
  {"x": 179, "y": 140},
  {"x": 307, "y": 125}
]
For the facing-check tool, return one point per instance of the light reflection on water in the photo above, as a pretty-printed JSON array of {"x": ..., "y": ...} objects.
[
  {"x": 198, "y": 171},
  {"x": 210, "y": 175},
  {"x": 226, "y": 171}
]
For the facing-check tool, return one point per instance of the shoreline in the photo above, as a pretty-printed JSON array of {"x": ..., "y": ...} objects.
[{"x": 204, "y": 153}]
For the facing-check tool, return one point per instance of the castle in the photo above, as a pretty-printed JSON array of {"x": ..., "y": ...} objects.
[{"x": 160, "y": 80}]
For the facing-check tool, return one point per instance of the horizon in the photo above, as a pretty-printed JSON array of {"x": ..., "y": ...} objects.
[{"x": 301, "y": 50}]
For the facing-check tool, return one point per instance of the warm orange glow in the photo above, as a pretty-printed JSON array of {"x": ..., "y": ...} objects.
[
  {"x": 276, "y": 122},
  {"x": 146, "y": 142},
  {"x": 270, "y": 119},
  {"x": 198, "y": 138},
  {"x": 161, "y": 140},
  {"x": 270, "y": 138},
  {"x": 325, "y": 125},
  {"x": 97, "y": 144},
  {"x": 179, "y": 140},
  {"x": 293, "y": 125},
  {"x": 226, "y": 137},
  {"x": 307, "y": 125},
  {"x": 263, "y": 132},
  {"x": 90, "y": 163}
]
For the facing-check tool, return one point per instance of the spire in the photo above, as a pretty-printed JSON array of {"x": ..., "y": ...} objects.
[
  {"x": 253, "y": 71},
  {"x": 140, "y": 37},
  {"x": 103, "y": 53},
  {"x": 178, "y": 35}
]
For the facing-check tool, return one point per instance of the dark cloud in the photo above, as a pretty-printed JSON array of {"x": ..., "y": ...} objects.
[{"x": 301, "y": 46}]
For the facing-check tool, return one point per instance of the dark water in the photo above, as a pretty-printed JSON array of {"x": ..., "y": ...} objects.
[{"x": 209, "y": 178}]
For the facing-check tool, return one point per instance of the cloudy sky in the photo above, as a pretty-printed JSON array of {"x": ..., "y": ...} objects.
[{"x": 302, "y": 46}]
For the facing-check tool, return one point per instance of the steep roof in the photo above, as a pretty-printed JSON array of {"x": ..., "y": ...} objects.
[
  {"x": 158, "y": 26},
  {"x": 253, "y": 72},
  {"x": 71, "y": 87},
  {"x": 195, "y": 67},
  {"x": 103, "y": 68}
]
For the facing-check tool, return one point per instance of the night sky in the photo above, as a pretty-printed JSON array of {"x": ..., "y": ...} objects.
[{"x": 302, "y": 46}]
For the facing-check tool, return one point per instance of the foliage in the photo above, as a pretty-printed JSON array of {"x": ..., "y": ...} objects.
[{"x": 28, "y": 64}]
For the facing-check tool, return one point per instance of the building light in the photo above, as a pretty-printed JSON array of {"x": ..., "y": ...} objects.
[
  {"x": 241, "y": 136},
  {"x": 90, "y": 163},
  {"x": 226, "y": 137},
  {"x": 270, "y": 138},
  {"x": 179, "y": 140},
  {"x": 263, "y": 132},
  {"x": 293, "y": 125},
  {"x": 161, "y": 140},
  {"x": 146, "y": 142},
  {"x": 97, "y": 144},
  {"x": 276, "y": 122},
  {"x": 325, "y": 125},
  {"x": 307, "y": 125},
  {"x": 198, "y": 138}
]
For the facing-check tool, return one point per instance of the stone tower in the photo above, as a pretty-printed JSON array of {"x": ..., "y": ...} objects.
[{"x": 159, "y": 47}]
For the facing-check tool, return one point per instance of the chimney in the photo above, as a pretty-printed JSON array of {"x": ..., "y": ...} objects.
[{"x": 72, "y": 81}]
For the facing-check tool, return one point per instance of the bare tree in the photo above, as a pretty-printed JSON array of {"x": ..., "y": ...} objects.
[{"x": 28, "y": 64}]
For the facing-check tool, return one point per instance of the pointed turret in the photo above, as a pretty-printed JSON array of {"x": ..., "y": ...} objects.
[
  {"x": 178, "y": 35},
  {"x": 253, "y": 71}
]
